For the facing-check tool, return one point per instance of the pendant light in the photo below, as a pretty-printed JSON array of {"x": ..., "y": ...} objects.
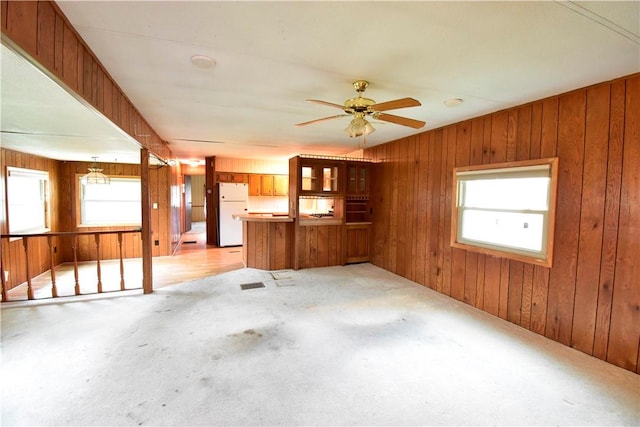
[{"x": 95, "y": 175}]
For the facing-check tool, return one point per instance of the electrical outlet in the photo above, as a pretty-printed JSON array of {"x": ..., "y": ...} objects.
[
  {"x": 156, "y": 242},
  {"x": 6, "y": 275}
]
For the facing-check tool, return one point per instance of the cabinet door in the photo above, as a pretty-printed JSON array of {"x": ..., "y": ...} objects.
[
  {"x": 254, "y": 185},
  {"x": 240, "y": 178},
  {"x": 321, "y": 177},
  {"x": 363, "y": 179},
  {"x": 266, "y": 185},
  {"x": 358, "y": 179},
  {"x": 357, "y": 244},
  {"x": 280, "y": 185},
  {"x": 223, "y": 177}
]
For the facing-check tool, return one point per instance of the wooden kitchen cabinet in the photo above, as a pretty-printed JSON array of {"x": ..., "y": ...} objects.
[
  {"x": 320, "y": 177},
  {"x": 233, "y": 177},
  {"x": 357, "y": 179},
  {"x": 280, "y": 185},
  {"x": 357, "y": 243},
  {"x": 254, "y": 184},
  {"x": 266, "y": 185}
]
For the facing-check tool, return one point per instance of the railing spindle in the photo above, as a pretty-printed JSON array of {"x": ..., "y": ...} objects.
[
  {"x": 121, "y": 261},
  {"x": 97, "y": 238},
  {"x": 25, "y": 243},
  {"x": 52, "y": 268},
  {"x": 75, "y": 264}
]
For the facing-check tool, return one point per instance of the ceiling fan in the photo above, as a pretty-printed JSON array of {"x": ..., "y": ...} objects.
[{"x": 361, "y": 108}]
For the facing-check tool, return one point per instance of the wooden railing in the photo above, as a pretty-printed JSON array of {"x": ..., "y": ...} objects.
[{"x": 27, "y": 238}]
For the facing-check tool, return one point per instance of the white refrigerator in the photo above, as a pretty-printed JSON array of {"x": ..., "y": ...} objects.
[{"x": 233, "y": 200}]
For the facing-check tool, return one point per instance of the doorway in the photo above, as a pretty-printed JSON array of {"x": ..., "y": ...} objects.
[{"x": 195, "y": 209}]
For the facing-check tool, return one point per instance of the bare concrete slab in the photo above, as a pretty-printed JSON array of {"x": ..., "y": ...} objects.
[{"x": 351, "y": 345}]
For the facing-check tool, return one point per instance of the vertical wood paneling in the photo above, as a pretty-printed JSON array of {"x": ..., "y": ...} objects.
[
  {"x": 624, "y": 338},
  {"x": 46, "y": 34},
  {"x": 434, "y": 201},
  {"x": 590, "y": 297},
  {"x": 594, "y": 181},
  {"x": 422, "y": 275},
  {"x": 562, "y": 280},
  {"x": 409, "y": 255},
  {"x": 22, "y": 24},
  {"x": 458, "y": 256},
  {"x": 611, "y": 218},
  {"x": 444, "y": 229}
]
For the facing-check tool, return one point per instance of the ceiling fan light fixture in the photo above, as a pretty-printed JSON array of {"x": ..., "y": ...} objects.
[
  {"x": 95, "y": 175},
  {"x": 359, "y": 126},
  {"x": 453, "y": 102},
  {"x": 202, "y": 61}
]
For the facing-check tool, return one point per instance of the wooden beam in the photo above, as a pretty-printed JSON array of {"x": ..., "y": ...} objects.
[{"x": 147, "y": 277}]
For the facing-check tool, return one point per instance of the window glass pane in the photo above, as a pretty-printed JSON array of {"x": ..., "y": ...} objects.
[
  {"x": 26, "y": 200},
  {"x": 116, "y": 203},
  {"x": 512, "y": 229},
  {"x": 510, "y": 193}
]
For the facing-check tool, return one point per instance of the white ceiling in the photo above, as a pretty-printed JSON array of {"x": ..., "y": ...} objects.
[{"x": 271, "y": 56}]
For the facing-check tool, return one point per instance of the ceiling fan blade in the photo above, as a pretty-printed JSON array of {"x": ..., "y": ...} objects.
[
  {"x": 404, "y": 121},
  {"x": 320, "y": 120},
  {"x": 396, "y": 103},
  {"x": 329, "y": 104}
]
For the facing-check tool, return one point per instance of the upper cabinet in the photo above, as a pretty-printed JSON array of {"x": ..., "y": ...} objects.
[
  {"x": 268, "y": 185},
  {"x": 320, "y": 177},
  {"x": 358, "y": 179},
  {"x": 232, "y": 177},
  {"x": 280, "y": 185}
]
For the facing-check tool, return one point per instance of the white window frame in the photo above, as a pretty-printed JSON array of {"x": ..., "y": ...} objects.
[
  {"x": 510, "y": 170},
  {"x": 84, "y": 222},
  {"x": 42, "y": 203}
]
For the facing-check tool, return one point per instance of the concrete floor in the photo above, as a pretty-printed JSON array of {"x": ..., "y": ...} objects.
[{"x": 351, "y": 345}]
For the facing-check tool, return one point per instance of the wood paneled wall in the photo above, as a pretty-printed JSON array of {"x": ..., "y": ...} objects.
[
  {"x": 252, "y": 166},
  {"x": 590, "y": 298},
  {"x": 42, "y": 31},
  {"x": 63, "y": 213},
  {"x": 13, "y": 255}
]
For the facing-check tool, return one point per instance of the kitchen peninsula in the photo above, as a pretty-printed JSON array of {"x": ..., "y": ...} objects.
[
  {"x": 266, "y": 240},
  {"x": 327, "y": 223}
]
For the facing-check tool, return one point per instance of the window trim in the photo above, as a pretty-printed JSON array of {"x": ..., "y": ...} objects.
[
  {"x": 44, "y": 176},
  {"x": 78, "y": 192},
  {"x": 498, "y": 169}
]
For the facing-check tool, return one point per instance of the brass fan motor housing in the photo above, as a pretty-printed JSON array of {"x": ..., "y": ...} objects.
[{"x": 358, "y": 105}]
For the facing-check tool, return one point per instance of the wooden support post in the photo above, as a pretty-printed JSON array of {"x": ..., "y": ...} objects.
[
  {"x": 211, "y": 198},
  {"x": 99, "y": 272},
  {"x": 75, "y": 264},
  {"x": 121, "y": 262},
  {"x": 52, "y": 267},
  {"x": 25, "y": 243},
  {"x": 147, "y": 255},
  {"x": 3, "y": 281}
]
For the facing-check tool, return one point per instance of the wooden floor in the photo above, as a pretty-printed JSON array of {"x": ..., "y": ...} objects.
[{"x": 192, "y": 260}]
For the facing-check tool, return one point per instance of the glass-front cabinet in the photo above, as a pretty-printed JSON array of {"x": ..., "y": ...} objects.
[
  {"x": 357, "y": 178},
  {"x": 320, "y": 177}
]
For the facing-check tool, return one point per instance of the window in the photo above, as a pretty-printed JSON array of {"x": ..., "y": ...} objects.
[
  {"x": 506, "y": 210},
  {"x": 116, "y": 203},
  {"x": 27, "y": 200}
]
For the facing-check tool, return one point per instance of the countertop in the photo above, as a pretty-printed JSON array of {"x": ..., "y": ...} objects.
[{"x": 262, "y": 217}]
